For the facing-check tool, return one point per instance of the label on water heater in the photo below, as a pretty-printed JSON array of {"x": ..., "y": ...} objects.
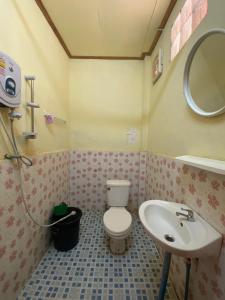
[{"x": 2, "y": 66}]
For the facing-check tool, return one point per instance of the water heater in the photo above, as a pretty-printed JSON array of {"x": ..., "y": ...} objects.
[{"x": 10, "y": 82}]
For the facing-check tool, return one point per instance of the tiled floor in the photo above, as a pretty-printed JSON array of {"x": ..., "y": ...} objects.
[{"x": 89, "y": 271}]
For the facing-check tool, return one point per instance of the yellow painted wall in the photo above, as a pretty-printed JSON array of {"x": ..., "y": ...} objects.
[
  {"x": 146, "y": 102},
  {"x": 105, "y": 101},
  {"x": 106, "y": 98},
  {"x": 173, "y": 128},
  {"x": 28, "y": 39}
]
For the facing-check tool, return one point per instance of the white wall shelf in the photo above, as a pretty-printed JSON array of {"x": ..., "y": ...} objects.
[{"x": 216, "y": 166}]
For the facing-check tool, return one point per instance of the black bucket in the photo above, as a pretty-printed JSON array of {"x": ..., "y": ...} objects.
[{"x": 65, "y": 234}]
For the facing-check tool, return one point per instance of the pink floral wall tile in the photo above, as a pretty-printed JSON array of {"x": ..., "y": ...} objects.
[
  {"x": 22, "y": 243},
  {"x": 205, "y": 193},
  {"x": 79, "y": 177},
  {"x": 142, "y": 177},
  {"x": 89, "y": 171}
]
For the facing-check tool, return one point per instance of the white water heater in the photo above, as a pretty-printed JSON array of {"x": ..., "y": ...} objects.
[{"x": 10, "y": 82}]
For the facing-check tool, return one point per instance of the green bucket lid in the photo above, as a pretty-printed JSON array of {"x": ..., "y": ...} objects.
[{"x": 61, "y": 209}]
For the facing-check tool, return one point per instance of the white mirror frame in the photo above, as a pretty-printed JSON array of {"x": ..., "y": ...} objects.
[{"x": 187, "y": 92}]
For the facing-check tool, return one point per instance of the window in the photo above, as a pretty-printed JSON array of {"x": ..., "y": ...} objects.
[{"x": 190, "y": 16}]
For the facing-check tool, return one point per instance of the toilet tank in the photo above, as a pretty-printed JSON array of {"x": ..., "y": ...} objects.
[{"x": 118, "y": 192}]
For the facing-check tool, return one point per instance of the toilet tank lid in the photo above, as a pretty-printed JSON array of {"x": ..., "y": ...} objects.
[{"x": 117, "y": 182}]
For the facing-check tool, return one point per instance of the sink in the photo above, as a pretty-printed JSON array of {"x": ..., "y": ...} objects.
[{"x": 177, "y": 235}]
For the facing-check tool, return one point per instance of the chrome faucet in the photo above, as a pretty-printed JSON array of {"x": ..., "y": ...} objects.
[{"x": 189, "y": 216}]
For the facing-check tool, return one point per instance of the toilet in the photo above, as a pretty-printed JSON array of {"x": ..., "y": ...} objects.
[{"x": 117, "y": 220}]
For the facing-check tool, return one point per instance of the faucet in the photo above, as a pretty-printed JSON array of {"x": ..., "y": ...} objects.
[{"x": 189, "y": 216}]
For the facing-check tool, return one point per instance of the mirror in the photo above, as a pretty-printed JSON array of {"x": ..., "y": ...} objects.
[{"x": 204, "y": 75}]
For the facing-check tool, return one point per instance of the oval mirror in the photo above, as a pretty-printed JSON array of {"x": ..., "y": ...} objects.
[{"x": 204, "y": 75}]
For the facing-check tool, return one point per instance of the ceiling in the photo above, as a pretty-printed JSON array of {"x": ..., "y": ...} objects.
[{"x": 106, "y": 28}]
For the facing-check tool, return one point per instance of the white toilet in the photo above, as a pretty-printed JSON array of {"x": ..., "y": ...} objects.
[{"x": 117, "y": 220}]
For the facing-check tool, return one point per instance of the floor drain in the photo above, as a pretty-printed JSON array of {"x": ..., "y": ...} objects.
[{"x": 169, "y": 237}]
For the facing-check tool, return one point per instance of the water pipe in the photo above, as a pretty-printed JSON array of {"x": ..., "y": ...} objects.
[
  {"x": 188, "y": 269},
  {"x": 165, "y": 274}
]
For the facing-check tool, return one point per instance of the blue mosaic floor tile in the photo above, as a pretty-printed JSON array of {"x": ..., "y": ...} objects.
[{"x": 91, "y": 272}]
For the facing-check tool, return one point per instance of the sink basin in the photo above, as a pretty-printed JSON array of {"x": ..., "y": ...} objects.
[{"x": 177, "y": 235}]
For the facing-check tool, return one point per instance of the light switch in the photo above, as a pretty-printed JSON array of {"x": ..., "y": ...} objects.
[{"x": 132, "y": 136}]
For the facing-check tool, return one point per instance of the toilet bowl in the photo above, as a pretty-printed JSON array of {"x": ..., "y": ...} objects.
[{"x": 117, "y": 220}]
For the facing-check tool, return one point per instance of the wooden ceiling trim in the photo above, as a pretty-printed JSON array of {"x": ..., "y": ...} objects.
[
  {"x": 52, "y": 25},
  {"x": 161, "y": 27},
  {"x": 108, "y": 57},
  {"x": 151, "y": 49}
]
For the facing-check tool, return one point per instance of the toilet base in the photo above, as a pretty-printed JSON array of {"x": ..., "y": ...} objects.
[{"x": 117, "y": 246}]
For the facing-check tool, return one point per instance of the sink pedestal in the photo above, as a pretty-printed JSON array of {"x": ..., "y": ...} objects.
[{"x": 165, "y": 274}]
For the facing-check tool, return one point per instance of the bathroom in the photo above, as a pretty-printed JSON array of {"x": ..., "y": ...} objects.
[{"x": 102, "y": 116}]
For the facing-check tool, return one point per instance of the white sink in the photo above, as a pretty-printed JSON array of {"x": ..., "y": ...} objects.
[{"x": 191, "y": 239}]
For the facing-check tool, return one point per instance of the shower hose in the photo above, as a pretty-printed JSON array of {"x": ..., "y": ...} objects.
[{"x": 21, "y": 159}]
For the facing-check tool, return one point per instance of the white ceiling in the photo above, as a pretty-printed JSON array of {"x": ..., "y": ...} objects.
[{"x": 107, "y": 27}]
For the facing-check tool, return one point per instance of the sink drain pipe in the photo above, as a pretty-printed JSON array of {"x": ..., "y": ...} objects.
[
  {"x": 165, "y": 274},
  {"x": 188, "y": 269}
]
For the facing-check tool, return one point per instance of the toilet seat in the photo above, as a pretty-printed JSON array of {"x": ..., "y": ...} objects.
[{"x": 117, "y": 222}]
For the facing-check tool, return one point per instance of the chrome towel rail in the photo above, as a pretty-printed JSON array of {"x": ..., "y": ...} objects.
[{"x": 31, "y": 134}]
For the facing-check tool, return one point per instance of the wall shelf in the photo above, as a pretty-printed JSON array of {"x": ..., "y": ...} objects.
[{"x": 216, "y": 166}]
